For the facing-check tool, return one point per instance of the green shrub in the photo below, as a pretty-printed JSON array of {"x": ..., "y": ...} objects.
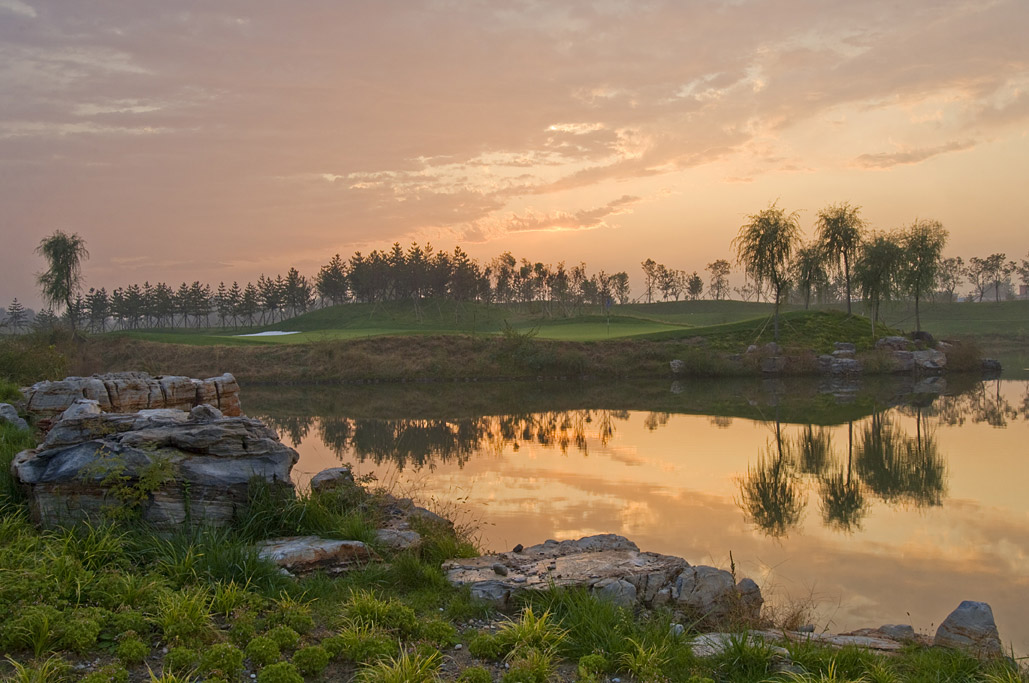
[
  {"x": 128, "y": 620},
  {"x": 280, "y": 672},
  {"x": 262, "y": 651},
  {"x": 362, "y": 644},
  {"x": 243, "y": 629},
  {"x": 487, "y": 646},
  {"x": 406, "y": 668},
  {"x": 293, "y": 613},
  {"x": 438, "y": 632},
  {"x": 53, "y": 669},
  {"x": 366, "y": 608},
  {"x": 475, "y": 674},
  {"x": 111, "y": 673},
  {"x": 184, "y": 616},
  {"x": 285, "y": 637},
  {"x": 132, "y": 650},
  {"x": 311, "y": 660},
  {"x": 223, "y": 659},
  {"x": 595, "y": 663},
  {"x": 181, "y": 660},
  {"x": 80, "y": 630}
]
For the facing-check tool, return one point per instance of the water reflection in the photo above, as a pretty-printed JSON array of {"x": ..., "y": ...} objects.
[{"x": 885, "y": 503}]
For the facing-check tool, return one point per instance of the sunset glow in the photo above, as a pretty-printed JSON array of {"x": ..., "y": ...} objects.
[{"x": 215, "y": 142}]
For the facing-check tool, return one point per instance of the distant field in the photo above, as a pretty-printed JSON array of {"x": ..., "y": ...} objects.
[{"x": 664, "y": 320}]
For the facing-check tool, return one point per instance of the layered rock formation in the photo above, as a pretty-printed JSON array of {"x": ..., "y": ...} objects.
[
  {"x": 127, "y": 392},
  {"x": 611, "y": 567},
  {"x": 169, "y": 467}
]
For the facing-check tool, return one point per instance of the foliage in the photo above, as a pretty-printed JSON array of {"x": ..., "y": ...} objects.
[
  {"x": 765, "y": 247},
  {"x": 61, "y": 281},
  {"x": 181, "y": 660},
  {"x": 283, "y": 636},
  {"x": 280, "y": 672},
  {"x": 923, "y": 248},
  {"x": 876, "y": 271},
  {"x": 312, "y": 660},
  {"x": 367, "y": 609},
  {"x": 407, "y": 668},
  {"x": 132, "y": 650},
  {"x": 361, "y": 643},
  {"x": 840, "y": 231},
  {"x": 262, "y": 651},
  {"x": 222, "y": 659},
  {"x": 475, "y": 674}
]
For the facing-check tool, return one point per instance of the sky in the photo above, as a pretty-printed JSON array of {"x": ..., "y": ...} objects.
[{"x": 215, "y": 141}]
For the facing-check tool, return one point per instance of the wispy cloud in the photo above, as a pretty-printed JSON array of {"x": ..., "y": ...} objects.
[{"x": 910, "y": 156}]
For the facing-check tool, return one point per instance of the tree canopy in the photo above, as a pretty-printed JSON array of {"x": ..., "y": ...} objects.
[
  {"x": 840, "y": 229},
  {"x": 765, "y": 246},
  {"x": 61, "y": 281}
]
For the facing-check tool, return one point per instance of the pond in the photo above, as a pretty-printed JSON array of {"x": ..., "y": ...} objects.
[{"x": 887, "y": 502}]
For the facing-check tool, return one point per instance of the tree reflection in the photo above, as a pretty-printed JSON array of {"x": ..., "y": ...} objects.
[
  {"x": 899, "y": 468},
  {"x": 843, "y": 501},
  {"x": 815, "y": 449},
  {"x": 770, "y": 493}
]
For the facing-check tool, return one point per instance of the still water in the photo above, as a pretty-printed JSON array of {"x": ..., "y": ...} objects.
[{"x": 872, "y": 504}]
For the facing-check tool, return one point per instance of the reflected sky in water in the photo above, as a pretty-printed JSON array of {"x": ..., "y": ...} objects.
[{"x": 894, "y": 517}]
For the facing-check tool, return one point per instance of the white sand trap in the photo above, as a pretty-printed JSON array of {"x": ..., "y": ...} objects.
[{"x": 272, "y": 333}]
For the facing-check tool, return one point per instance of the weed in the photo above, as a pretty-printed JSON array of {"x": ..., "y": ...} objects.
[
  {"x": 406, "y": 668},
  {"x": 531, "y": 632},
  {"x": 532, "y": 665},
  {"x": 743, "y": 658},
  {"x": 285, "y": 637},
  {"x": 644, "y": 662},
  {"x": 181, "y": 660},
  {"x": 51, "y": 670},
  {"x": 475, "y": 674},
  {"x": 361, "y": 643},
  {"x": 438, "y": 632},
  {"x": 485, "y": 645},
  {"x": 293, "y": 612},
  {"x": 184, "y": 616},
  {"x": 365, "y": 608},
  {"x": 111, "y": 673}
]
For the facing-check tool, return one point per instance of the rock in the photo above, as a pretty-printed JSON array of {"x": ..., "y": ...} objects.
[
  {"x": 903, "y": 361},
  {"x": 10, "y": 415},
  {"x": 772, "y": 364},
  {"x": 305, "y": 554},
  {"x": 677, "y": 367},
  {"x": 990, "y": 365},
  {"x": 128, "y": 392},
  {"x": 893, "y": 343},
  {"x": 331, "y": 479},
  {"x": 677, "y": 630},
  {"x": 711, "y": 644},
  {"x": 750, "y": 600},
  {"x": 929, "y": 359},
  {"x": 203, "y": 468},
  {"x": 846, "y": 347},
  {"x": 499, "y": 569},
  {"x": 971, "y": 628},
  {"x": 930, "y": 385},
  {"x": 617, "y": 591},
  {"x": 923, "y": 337},
  {"x": 752, "y": 348},
  {"x": 900, "y": 632},
  {"x": 518, "y": 548},
  {"x": 771, "y": 349},
  {"x": 844, "y": 366},
  {"x": 399, "y": 539},
  {"x": 840, "y": 353},
  {"x": 205, "y": 413},
  {"x": 81, "y": 408},
  {"x": 607, "y": 565}
]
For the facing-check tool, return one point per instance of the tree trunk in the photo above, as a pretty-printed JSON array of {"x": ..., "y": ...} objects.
[{"x": 846, "y": 277}]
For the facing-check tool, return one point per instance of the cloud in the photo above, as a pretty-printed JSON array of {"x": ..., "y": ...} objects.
[{"x": 910, "y": 156}]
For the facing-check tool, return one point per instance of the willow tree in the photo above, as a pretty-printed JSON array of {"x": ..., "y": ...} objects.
[
  {"x": 61, "y": 281},
  {"x": 923, "y": 249},
  {"x": 875, "y": 272},
  {"x": 765, "y": 246},
  {"x": 840, "y": 231}
]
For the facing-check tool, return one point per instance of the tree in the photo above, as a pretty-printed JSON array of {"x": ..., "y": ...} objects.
[
  {"x": 16, "y": 316},
  {"x": 1023, "y": 271},
  {"x": 949, "y": 277},
  {"x": 840, "y": 230},
  {"x": 990, "y": 272},
  {"x": 650, "y": 275},
  {"x": 923, "y": 247},
  {"x": 765, "y": 246},
  {"x": 61, "y": 281},
  {"x": 718, "y": 286},
  {"x": 875, "y": 271},
  {"x": 694, "y": 286},
  {"x": 809, "y": 271}
]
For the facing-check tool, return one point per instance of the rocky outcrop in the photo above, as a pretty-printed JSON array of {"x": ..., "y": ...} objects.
[
  {"x": 305, "y": 554},
  {"x": 9, "y": 415},
  {"x": 128, "y": 392},
  {"x": 971, "y": 628},
  {"x": 169, "y": 467},
  {"x": 611, "y": 567}
]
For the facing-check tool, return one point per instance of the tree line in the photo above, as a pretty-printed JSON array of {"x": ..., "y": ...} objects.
[{"x": 844, "y": 257}]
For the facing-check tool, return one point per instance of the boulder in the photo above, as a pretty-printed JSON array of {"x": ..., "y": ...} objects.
[
  {"x": 772, "y": 364},
  {"x": 677, "y": 367},
  {"x": 167, "y": 466},
  {"x": 845, "y": 347},
  {"x": 900, "y": 632},
  {"x": 398, "y": 539},
  {"x": 971, "y": 628},
  {"x": 306, "y": 554},
  {"x": 127, "y": 392},
  {"x": 9, "y": 415},
  {"x": 929, "y": 359},
  {"x": 331, "y": 479},
  {"x": 903, "y": 361},
  {"x": 893, "y": 343},
  {"x": 613, "y": 568}
]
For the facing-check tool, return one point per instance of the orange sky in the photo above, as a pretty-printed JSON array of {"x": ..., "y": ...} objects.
[{"x": 215, "y": 141}]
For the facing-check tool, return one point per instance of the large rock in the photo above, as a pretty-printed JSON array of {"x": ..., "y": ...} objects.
[
  {"x": 306, "y": 554},
  {"x": 127, "y": 392},
  {"x": 9, "y": 415},
  {"x": 931, "y": 360},
  {"x": 970, "y": 627},
  {"x": 169, "y": 467},
  {"x": 613, "y": 568},
  {"x": 893, "y": 343}
]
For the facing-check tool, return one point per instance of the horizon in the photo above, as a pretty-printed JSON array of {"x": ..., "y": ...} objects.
[{"x": 216, "y": 144}]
